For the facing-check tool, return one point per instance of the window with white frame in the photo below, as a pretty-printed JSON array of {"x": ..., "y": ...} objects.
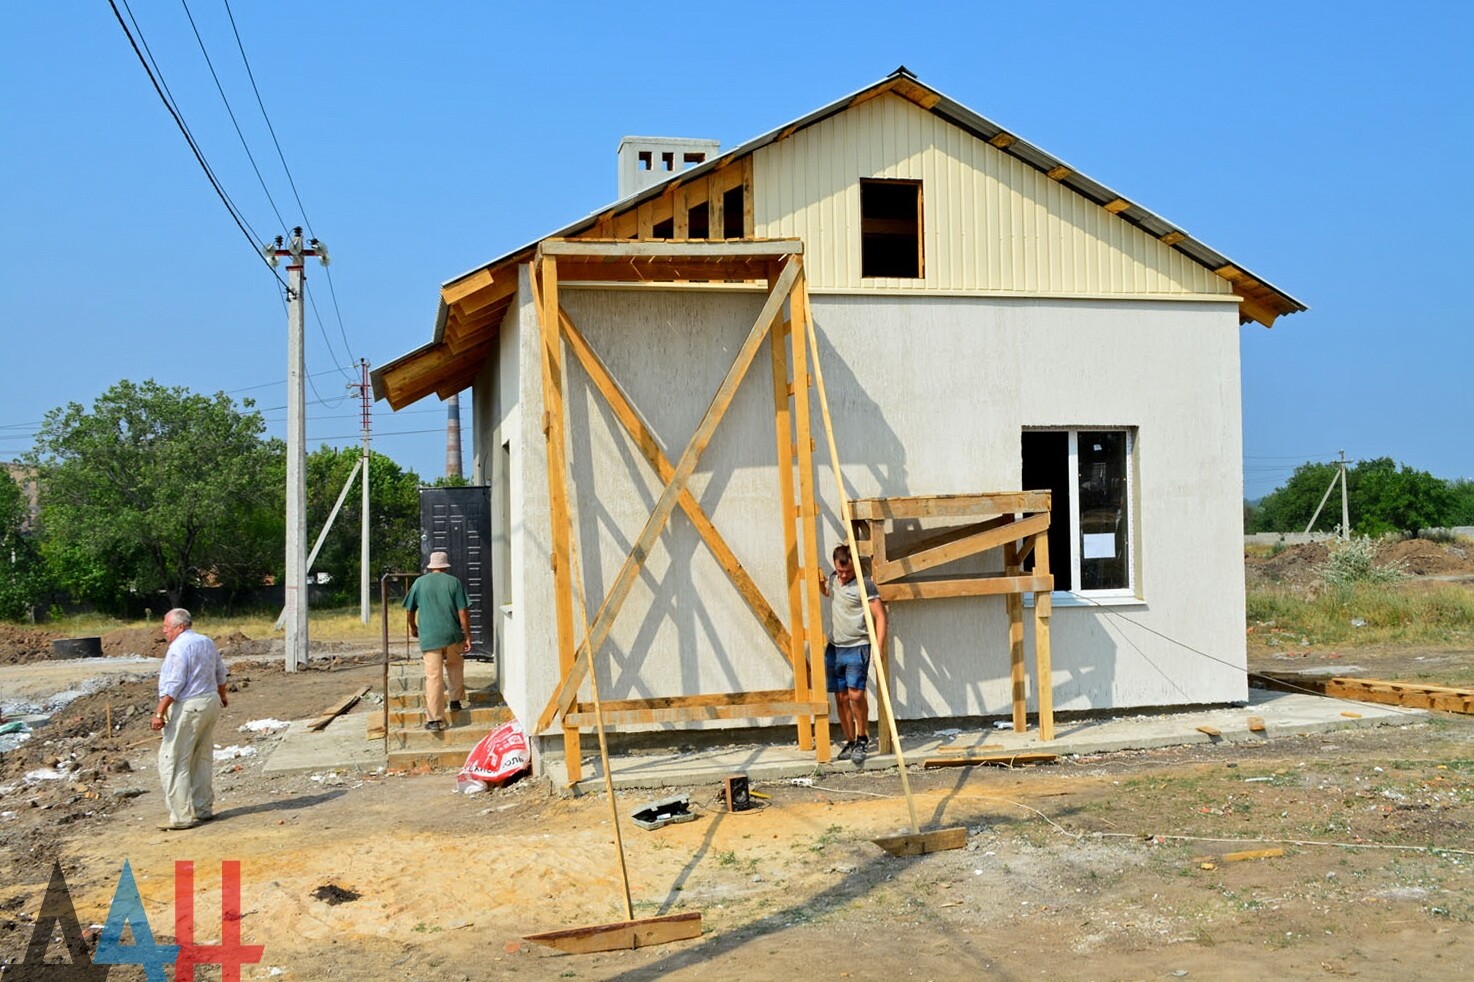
[{"x": 1091, "y": 528}]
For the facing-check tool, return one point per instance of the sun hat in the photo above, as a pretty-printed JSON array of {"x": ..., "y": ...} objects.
[{"x": 438, "y": 560}]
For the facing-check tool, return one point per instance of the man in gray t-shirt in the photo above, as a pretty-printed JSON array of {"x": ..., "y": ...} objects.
[{"x": 847, "y": 655}]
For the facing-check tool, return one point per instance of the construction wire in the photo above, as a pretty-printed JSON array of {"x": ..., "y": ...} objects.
[
  {"x": 231, "y": 112},
  {"x": 332, "y": 290},
  {"x": 156, "y": 80}
]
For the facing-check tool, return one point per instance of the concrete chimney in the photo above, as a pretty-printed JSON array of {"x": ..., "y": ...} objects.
[
  {"x": 647, "y": 160},
  {"x": 453, "y": 436}
]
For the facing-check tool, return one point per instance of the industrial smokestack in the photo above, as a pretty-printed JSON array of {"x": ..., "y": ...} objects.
[{"x": 453, "y": 436}]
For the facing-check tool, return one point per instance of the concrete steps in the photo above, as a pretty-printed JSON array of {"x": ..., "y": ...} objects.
[{"x": 410, "y": 745}]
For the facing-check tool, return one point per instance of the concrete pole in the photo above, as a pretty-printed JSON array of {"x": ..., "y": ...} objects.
[
  {"x": 363, "y": 545},
  {"x": 296, "y": 585},
  {"x": 1345, "y": 504},
  {"x": 295, "y": 609}
]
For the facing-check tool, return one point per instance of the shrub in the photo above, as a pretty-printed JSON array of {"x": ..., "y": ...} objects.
[{"x": 1354, "y": 560}]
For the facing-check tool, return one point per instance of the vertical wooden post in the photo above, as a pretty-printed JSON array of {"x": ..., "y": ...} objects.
[
  {"x": 680, "y": 214},
  {"x": 1043, "y": 672},
  {"x": 788, "y": 507},
  {"x": 808, "y": 509},
  {"x": 876, "y": 531},
  {"x": 558, "y": 518},
  {"x": 1014, "y": 604}
]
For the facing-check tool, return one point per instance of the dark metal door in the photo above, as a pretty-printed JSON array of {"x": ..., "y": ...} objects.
[{"x": 458, "y": 520}]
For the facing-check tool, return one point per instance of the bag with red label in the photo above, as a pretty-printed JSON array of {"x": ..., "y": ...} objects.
[{"x": 501, "y": 755}]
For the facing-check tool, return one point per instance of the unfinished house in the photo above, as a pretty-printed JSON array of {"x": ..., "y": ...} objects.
[{"x": 1033, "y": 385}]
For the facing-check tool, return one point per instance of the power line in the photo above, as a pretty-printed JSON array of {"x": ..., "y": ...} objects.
[
  {"x": 160, "y": 88},
  {"x": 261, "y": 103},
  {"x": 230, "y": 112}
]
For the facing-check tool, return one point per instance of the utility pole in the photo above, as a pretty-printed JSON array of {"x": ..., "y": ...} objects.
[
  {"x": 364, "y": 390},
  {"x": 296, "y": 585},
  {"x": 1345, "y": 503}
]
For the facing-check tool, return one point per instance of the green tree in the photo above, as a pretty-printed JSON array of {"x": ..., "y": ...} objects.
[
  {"x": 1462, "y": 510},
  {"x": 1386, "y": 497},
  {"x": 394, "y": 517},
  {"x": 1288, "y": 508},
  {"x": 22, "y": 573},
  {"x": 153, "y": 488}
]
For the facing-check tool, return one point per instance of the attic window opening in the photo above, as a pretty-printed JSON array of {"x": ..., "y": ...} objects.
[
  {"x": 692, "y": 159},
  {"x": 732, "y": 209},
  {"x": 696, "y": 220},
  {"x": 668, "y": 160},
  {"x": 647, "y": 161},
  {"x": 890, "y": 229}
]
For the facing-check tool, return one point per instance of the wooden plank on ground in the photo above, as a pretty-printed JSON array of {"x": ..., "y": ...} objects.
[
  {"x": 339, "y": 709},
  {"x": 921, "y": 843},
  {"x": 990, "y": 760},
  {"x": 1256, "y": 724},
  {"x": 622, "y": 935},
  {"x": 1210, "y": 731}
]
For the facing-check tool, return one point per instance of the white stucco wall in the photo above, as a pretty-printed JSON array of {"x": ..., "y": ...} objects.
[{"x": 930, "y": 396}]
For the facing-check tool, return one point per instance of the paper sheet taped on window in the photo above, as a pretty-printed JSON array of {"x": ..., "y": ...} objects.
[{"x": 1100, "y": 545}]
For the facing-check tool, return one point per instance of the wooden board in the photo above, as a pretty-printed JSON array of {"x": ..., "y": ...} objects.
[
  {"x": 338, "y": 710},
  {"x": 990, "y": 760},
  {"x": 1256, "y": 724},
  {"x": 1210, "y": 731},
  {"x": 921, "y": 843},
  {"x": 623, "y": 935},
  {"x": 1413, "y": 695}
]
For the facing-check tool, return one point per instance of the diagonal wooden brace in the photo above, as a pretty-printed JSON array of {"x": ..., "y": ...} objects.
[
  {"x": 650, "y": 449},
  {"x": 624, "y": 581}
]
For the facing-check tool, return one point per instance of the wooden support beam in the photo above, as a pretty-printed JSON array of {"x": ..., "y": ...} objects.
[
  {"x": 769, "y": 249},
  {"x": 546, "y": 303},
  {"x": 890, "y": 568},
  {"x": 974, "y": 506},
  {"x": 1003, "y": 140},
  {"x": 788, "y": 509},
  {"x": 977, "y": 586},
  {"x": 1117, "y": 205},
  {"x": 1058, "y": 173},
  {"x": 1173, "y": 237},
  {"x": 649, "y": 448},
  {"x": 624, "y": 580},
  {"x": 808, "y": 515},
  {"x": 1013, "y": 604},
  {"x": 920, "y": 560},
  {"x": 749, "y": 224},
  {"x": 1043, "y": 669},
  {"x": 778, "y": 709}
]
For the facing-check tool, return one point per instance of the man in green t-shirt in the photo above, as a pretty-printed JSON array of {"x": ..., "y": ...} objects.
[{"x": 440, "y": 616}]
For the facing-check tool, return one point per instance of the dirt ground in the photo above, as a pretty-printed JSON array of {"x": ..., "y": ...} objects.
[{"x": 1113, "y": 866}]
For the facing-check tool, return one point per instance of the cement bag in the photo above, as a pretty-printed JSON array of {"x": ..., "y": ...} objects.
[{"x": 501, "y": 755}]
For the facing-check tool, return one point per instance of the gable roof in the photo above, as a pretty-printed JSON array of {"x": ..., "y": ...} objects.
[{"x": 472, "y": 305}]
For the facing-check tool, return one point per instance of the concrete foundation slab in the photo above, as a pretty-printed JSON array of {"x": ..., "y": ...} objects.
[
  {"x": 339, "y": 747},
  {"x": 1284, "y": 714}
]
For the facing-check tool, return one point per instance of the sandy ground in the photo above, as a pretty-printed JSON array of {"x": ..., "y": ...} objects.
[{"x": 1103, "y": 867}]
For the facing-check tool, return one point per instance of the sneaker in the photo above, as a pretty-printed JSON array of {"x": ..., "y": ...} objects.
[
  {"x": 434, "y": 725},
  {"x": 845, "y": 751},
  {"x": 455, "y": 706},
  {"x": 861, "y": 751}
]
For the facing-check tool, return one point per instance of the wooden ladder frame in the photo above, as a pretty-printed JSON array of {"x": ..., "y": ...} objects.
[
  {"x": 1015, "y": 521},
  {"x": 779, "y": 263}
]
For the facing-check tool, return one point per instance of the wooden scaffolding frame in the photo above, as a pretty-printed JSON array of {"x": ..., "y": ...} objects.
[
  {"x": 1016, "y": 522},
  {"x": 779, "y": 263}
]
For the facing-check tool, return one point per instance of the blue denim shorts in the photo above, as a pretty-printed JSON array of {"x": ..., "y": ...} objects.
[{"x": 846, "y": 668}]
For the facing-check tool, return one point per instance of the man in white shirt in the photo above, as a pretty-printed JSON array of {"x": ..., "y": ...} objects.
[{"x": 191, "y": 695}]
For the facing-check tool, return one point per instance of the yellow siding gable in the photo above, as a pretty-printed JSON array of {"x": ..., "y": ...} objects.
[{"x": 990, "y": 222}]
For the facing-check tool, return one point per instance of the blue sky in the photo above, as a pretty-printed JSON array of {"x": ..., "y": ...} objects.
[{"x": 1325, "y": 147}]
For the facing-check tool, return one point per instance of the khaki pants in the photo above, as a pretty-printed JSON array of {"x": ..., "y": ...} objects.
[
  {"x": 440, "y": 662},
  {"x": 187, "y": 759}
]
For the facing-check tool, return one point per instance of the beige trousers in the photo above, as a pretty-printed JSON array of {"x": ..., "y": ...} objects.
[
  {"x": 187, "y": 758},
  {"x": 440, "y": 662}
]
